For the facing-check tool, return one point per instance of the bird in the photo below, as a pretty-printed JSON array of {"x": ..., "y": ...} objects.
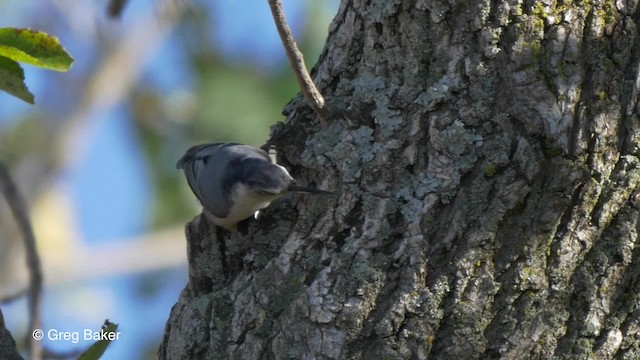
[{"x": 233, "y": 181}]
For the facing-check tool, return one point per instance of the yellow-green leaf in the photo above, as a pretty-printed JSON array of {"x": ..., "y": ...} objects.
[
  {"x": 107, "y": 334},
  {"x": 35, "y": 48},
  {"x": 12, "y": 80}
]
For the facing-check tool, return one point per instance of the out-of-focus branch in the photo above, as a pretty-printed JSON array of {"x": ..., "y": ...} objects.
[
  {"x": 113, "y": 79},
  {"x": 19, "y": 210},
  {"x": 309, "y": 89},
  {"x": 147, "y": 253},
  {"x": 115, "y": 7},
  {"x": 15, "y": 296}
]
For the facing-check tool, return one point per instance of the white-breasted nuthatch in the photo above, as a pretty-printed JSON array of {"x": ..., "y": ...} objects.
[{"x": 233, "y": 181}]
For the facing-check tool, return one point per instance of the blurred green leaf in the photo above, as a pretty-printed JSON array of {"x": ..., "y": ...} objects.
[
  {"x": 34, "y": 47},
  {"x": 106, "y": 335},
  {"x": 12, "y": 80}
]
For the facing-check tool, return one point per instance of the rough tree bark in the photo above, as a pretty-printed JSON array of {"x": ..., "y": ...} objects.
[
  {"x": 8, "y": 348},
  {"x": 486, "y": 166}
]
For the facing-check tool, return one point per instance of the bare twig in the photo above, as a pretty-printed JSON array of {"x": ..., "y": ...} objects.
[
  {"x": 19, "y": 210},
  {"x": 307, "y": 86}
]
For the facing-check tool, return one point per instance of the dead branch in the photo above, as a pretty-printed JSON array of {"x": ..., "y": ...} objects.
[{"x": 309, "y": 89}]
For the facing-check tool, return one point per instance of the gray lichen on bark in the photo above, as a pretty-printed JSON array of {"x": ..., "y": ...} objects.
[
  {"x": 8, "y": 348},
  {"x": 485, "y": 160}
]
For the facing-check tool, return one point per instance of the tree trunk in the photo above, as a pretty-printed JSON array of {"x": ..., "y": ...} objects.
[
  {"x": 8, "y": 349},
  {"x": 485, "y": 160}
]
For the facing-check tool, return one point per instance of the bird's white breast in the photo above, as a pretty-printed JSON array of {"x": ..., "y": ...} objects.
[{"x": 246, "y": 203}]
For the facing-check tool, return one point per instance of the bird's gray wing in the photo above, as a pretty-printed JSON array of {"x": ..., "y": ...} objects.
[
  {"x": 205, "y": 167},
  {"x": 240, "y": 151},
  {"x": 260, "y": 172},
  {"x": 199, "y": 151}
]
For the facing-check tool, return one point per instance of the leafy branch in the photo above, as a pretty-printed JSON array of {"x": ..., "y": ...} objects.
[{"x": 30, "y": 47}]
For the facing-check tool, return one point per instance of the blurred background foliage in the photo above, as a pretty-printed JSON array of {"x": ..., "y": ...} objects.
[{"x": 95, "y": 157}]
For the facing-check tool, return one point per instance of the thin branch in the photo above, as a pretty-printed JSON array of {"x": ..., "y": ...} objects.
[
  {"x": 307, "y": 86},
  {"x": 15, "y": 296},
  {"x": 19, "y": 210}
]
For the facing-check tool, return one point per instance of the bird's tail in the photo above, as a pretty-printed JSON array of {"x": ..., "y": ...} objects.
[{"x": 189, "y": 156}]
